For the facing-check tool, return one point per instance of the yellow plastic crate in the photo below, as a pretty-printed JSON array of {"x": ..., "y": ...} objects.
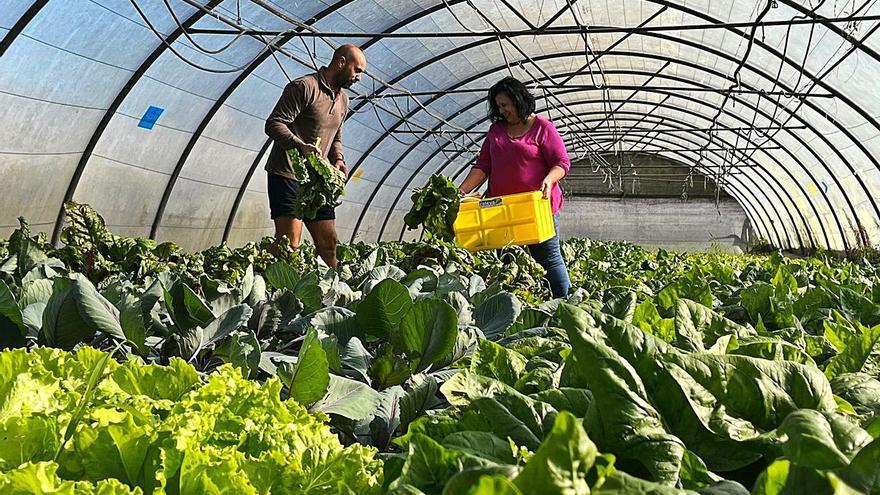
[{"x": 516, "y": 219}]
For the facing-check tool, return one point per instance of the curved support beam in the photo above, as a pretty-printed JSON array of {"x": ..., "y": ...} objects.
[
  {"x": 752, "y": 212},
  {"x": 667, "y": 4},
  {"x": 858, "y": 45},
  {"x": 778, "y": 191},
  {"x": 232, "y": 87},
  {"x": 20, "y": 24},
  {"x": 475, "y": 124},
  {"x": 834, "y": 29},
  {"x": 797, "y": 160},
  {"x": 692, "y": 65},
  {"x": 478, "y": 101},
  {"x": 416, "y": 172},
  {"x": 751, "y": 67},
  {"x": 751, "y": 188},
  {"x": 244, "y": 184},
  {"x": 111, "y": 111},
  {"x": 747, "y": 188},
  {"x": 206, "y": 120}
]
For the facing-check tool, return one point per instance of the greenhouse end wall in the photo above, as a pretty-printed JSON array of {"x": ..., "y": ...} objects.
[{"x": 693, "y": 225}]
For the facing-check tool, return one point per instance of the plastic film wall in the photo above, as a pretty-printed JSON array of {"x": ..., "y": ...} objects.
[{"x": 133, "y": 107}]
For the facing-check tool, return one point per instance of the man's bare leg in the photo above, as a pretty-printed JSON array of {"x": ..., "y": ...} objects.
[
  {"x": 324, "y": 235},
  {"x": 289, "y": 226}
]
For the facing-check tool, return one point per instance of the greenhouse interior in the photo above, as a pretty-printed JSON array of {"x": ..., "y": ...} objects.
[{"x": 260, "y": 247}]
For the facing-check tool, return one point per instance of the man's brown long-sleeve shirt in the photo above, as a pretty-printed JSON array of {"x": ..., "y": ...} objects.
[{"x": 308, "y": 109}]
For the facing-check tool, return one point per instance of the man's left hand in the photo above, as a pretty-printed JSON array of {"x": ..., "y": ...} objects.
[{"x": 341, "y": 166}]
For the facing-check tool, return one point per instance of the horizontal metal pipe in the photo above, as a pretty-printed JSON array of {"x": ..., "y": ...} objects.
[
  {"x": 705, "y": 129},
  {"x": 632, "y": 131},
  {"x": 695, "y": 150},
  {"x": 589, "y": 87},
  {"x": 550, "y": 30}
]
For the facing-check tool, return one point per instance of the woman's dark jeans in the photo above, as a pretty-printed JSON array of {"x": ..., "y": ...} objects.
[{"x": 549, "y": 255}]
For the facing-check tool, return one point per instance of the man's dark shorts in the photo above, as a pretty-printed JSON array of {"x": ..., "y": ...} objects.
[{"x": 283, "y": 196}]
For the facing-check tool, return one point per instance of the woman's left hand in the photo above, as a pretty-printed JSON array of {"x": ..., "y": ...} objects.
[{"x": 546, "y": 188}]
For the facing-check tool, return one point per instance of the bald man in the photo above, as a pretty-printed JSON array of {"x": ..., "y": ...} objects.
[{"x": 311, "y": 107}]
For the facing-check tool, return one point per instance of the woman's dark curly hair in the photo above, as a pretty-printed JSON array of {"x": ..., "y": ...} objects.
[{"x": 516, "y": 91}]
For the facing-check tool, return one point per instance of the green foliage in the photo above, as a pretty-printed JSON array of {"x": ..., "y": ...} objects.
[
  {"x": 138, "y": 428},
  {"x": 662, "y": 373},
  {"x": 320, "y": 183},
  {"x": 435, "y": 206}
]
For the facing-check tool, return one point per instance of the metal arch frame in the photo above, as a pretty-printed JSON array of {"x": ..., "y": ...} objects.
[
  {"x": 751, "y": 212},
  {"x": 787, "y": 207},
  {"x": 795, "y": 136},
  {"x": 206, "y": 120},
  {"x": 739, "y": 196},
  {"x": 20, "y": 24},
  {"x": 791, "y": 201},
  {"x": 833, "y": 28},
  {"x": 247, "y": 180},
  {"x": 704, "y": 170},
  {"x": 772, "y": 160},
  {"x": 404, "y": 22},
  {"x": 833, "y": 122},
  {"x": 665, "y": 5},
  {"x": 111, "y": 111},
  {"x": 335, "y": 7},
  {"x": 751, "y": 67},
  {"x": 697, "y": 67},
  {"x": 735, "y": 191},
  {"x": 233, "y": 86},
  {"x": 705, "y": 69},
  {"x": 805, "y": 225},
  {"x": 830, "y": 26},
  {"x": 751, "y": 179}
]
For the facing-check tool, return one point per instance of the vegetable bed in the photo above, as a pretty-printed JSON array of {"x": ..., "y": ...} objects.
[{"x": 132, "y": 367}]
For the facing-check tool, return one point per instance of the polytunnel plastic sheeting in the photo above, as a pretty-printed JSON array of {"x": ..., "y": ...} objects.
[{"x": 78, "y": 78}]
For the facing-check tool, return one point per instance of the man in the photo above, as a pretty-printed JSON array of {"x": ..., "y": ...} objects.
[{"x": 311, "y": 110}]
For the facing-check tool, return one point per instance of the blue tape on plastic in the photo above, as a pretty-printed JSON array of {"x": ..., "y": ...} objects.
[{"x": 150, "y": 117}]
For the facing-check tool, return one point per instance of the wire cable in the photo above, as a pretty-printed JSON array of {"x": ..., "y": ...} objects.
[
  {"x": 193, "y": 41},
  {"x": 182, "y": 57}
]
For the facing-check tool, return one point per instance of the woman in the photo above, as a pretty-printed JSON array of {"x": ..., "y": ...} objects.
[{"x": 524, "y": 152}]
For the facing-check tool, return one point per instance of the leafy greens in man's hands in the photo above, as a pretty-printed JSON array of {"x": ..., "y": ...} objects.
[{"x": 320, "y": 183}]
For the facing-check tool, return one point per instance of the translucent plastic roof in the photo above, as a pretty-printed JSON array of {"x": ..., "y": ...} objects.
[{"x": 152, "y": 111}]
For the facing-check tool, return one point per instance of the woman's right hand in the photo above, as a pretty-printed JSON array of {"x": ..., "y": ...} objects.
[
  {"x": 473, "y": 180},
  {"x": 546, "y": 188}
]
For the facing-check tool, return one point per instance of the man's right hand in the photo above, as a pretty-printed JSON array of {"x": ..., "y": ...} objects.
[{"x": 310, "y": 148}]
